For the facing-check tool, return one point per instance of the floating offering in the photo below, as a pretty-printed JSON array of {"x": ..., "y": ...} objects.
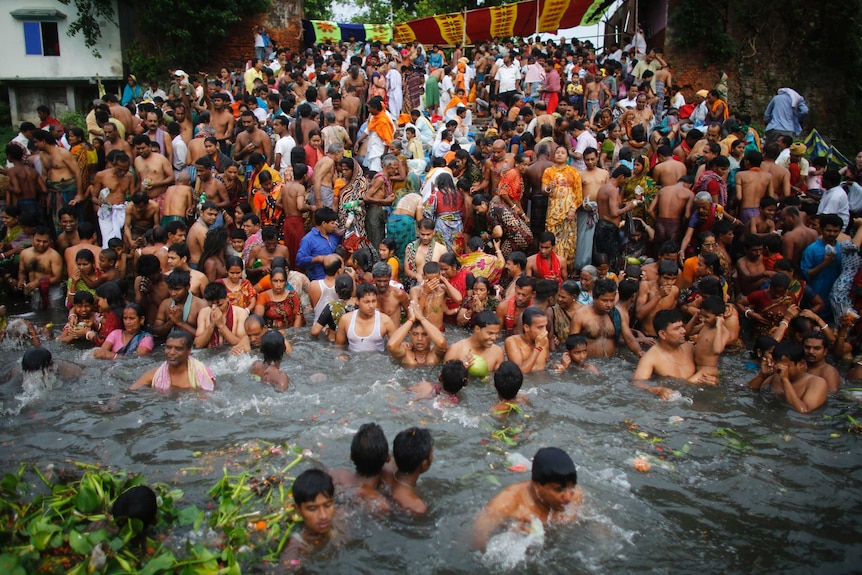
[{"x": 641, "y": 464}]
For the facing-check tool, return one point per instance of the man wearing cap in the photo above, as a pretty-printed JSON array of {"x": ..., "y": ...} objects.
[
  {"x": 551, "y": 492},
  {"x": 701, "y": 112},
  {"x": 180, "y": 84}
]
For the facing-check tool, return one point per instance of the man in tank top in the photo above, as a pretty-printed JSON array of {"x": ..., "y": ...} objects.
[
  {"x": 365, "y": 329},
  {"x": 321, "y": 292}
]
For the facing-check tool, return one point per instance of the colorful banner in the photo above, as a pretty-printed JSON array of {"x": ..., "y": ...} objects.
[
  {"x": 518, "y": 19},
  {"x": 321, "y": 31}
]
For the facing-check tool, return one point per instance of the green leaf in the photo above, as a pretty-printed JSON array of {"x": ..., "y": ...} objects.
[
  {"x": 161, "y": 564},
  {"x": 9, "y": 565},
  {"x": 87, "y": 501},
  {"x": 189, "y": 515},
  {"x": 79, "y": 543}
]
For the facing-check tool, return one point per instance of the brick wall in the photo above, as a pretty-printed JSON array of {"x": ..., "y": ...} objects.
[
  {"x": 763, "y": 63},
  {"x": 282, "y": 24}
]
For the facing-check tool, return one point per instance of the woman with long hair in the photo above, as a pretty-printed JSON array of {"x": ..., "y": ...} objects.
[
  {"x": 212, "y": 260},
  {"x": 351, "y": 205},
  {"x": 110, "y": 304},
  {"x": 445, "y": 206},
  {"x": 131, "y": 339},
  {"x": 280, "y": 306},
  {"x": 240, "y": 292}
]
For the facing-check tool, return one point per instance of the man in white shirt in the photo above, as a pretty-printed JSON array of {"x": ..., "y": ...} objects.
[
  {"x": 284, "y": 145},
  {"x": 834, "y": 200},
  {"x": 584, "y": 140},
  {"x": 507, "y": 79}
]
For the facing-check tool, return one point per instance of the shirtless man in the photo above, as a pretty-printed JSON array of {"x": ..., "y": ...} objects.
[
  {"x": 184, "y": 119},
  {"x": 552, "y": 496},
  {"x": 179, "y": 201},
  {"x": 814, "y": 344},
  {"x": 252, "y": 140},
  {"x": 790, "y": 378},
  {"x": 546, "y": 264},
  {"x": 780, "y": 175},
  {"x": 87, "y": 240},
  {"x": 655, "y": 296},
  {"x": 511, "y": 309},
  {"x": 68, "y": 235},
  {"x": 266, "y": 252},
  {"x": 711, "y": 335},
  {"x": 37, "y": 263},
  {"x": 751, "y": 185},
  {"x": 796, "y": 236},
  {"x": 601, "y": 323},
  {"x": 533, "y": 187},
  {"x": 181, "y": 309},
  {"x": 427, "y": 344},
  {"x": 221, "y": 118},
  {"x": 113, "y": 141},
  {"x": 431, "y": 295},
  {"x": 608, "y": 202},
  {"x": 342, "y": 116},
  {"x": 60, "y": 170},
  {"x": 142, "y": 214},
  {"x": 211, "y": 187},
  {"x": 351, "y": 104},
  {"x": 119, "y": 112},
  {"x": 150, "y": 287},
  {"x": 196, "y": 234},
  {"x": 294, "y": 205},
  {"x": 530, "y": 349},
  {"x": 154, "y": 171},
  {"x": 119, "y": 184},
  {"x": 482, "y": 343},
  {"x": 391, "y": 301},
  {"x": 671, "y": 356},
  {"x": 592, "y": 179},
  {"x": 325, "y": 174},
  {"x": 668, "y": 170},
  {"x": 24, "y": 187},
  {"x": 178, "y": 256},
  {"x": 750, "y": 269},
  {"x": 493, "y": 169},
  {"x": 425, "y": 248},
  {"x": 670, "y": 208}
]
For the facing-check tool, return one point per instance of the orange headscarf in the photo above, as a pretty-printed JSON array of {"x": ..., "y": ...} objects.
[{"x": 384, "y": 127}]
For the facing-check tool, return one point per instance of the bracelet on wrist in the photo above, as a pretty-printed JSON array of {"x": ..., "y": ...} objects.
[{"x": 537, "y": 348}]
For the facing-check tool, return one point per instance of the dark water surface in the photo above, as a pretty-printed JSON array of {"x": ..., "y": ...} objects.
[{"x": 754, "y": 487}]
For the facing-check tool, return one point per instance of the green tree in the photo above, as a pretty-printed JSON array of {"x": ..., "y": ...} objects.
[
  {"x": 317, "y": 9},
  {"x": 87, "y": 22}
]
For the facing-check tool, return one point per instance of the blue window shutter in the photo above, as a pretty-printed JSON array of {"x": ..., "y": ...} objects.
[{"x": 33, "y": 38}]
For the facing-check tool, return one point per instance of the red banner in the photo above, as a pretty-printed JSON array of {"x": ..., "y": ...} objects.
[{"x": 517, "y": 19}]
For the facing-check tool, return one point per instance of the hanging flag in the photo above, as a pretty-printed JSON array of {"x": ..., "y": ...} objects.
[{"x": 322, "y": 31}]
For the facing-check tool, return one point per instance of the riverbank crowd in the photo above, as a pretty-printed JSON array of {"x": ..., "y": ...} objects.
[{"x": 570, "y": 201}]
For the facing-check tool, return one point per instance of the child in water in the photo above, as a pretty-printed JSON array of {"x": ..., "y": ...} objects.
[
  {"x": 272, "y": 347},
  {"x": 576, "y": 355},
  {"x": 712, "y": 335},
  {"x": 81, "y": 317},
  {"x": 413, "y": 451},
  {"x": 453, "y": 377},
  {"x": 314, "y": 497},
  {"x": 507, "y": 381},
  {"x": 369, "y": 452}
]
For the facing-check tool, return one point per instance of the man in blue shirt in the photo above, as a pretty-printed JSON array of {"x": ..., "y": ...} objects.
[
  {"x": 318, "y": 243},
  {"x": 784, "y": 115},
  {"x": 821, "y": 261}
]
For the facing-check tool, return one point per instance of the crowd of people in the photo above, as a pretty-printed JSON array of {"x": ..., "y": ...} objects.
[{"x": 383, "y": 195}]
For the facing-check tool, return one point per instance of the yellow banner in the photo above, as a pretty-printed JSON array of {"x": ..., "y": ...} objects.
[
  {"x": 452, "y": 28},
  {"x": 503, "y": 20},
  {"x": 554, "y": 10}
]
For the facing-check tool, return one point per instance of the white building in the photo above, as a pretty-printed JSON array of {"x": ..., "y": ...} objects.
[{"x": 41, "y": 64}]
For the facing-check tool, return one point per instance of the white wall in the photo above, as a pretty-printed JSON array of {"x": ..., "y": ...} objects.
[{"x": 75, "y": 59}]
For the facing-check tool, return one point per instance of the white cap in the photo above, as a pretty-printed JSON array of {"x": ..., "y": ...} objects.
[{"x": 180, "y": 73}]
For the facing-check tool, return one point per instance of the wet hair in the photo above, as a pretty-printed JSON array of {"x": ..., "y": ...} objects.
[
  {"x": 311, "y": 483},
  {"x": 800, "y": 324},
  {"x": 364, "y": 289},
  {"x": 603, "y": 287},
  {"x": 628, "y": 288},
  {"x": 114, "y": 296},
  {"x": 82, "y": 296},
  {"x": 271, "y": 345},
  {"x": 714, "y": 262},
  {"x": 268, "y": 233},
  {"x": 508, "y": 379},
  {"x": 546, "y": 289},
  {"x": 364, "y": 259},
  {"x": 344, "y": 286},
  {"x": 171, "y": 228},
  {"x": 454, "y": 374},
  {"x": 831, "y": 220},
  {"x": 139, "y": 503},
  {"x": 667, "y": 267},
  {"x": 181, "y": 249},
  {"x": 529, "y": 314},
  {"x": 179, "y": 278},
  {"x": 183, "y": 335},
  {"x": 545, "y": 237},
  {"x": 215, "y": 291},
  {"x": 485, "y": 318},
  {"x": 553, "y": 465},
  {"x": 35, "y": 359},
  {"x": 763, "y": 344},
  {"x": 325, "y": 215},
  {"x": 526, "y": 281},
  {"x": 85, "y": 254},
  {"x": 780, "y": 280},
  {"x": 411, "y": 447},
  {"x": 519, "y": 259},
  {"x": 380, "y": 270},
  {"x": 232, "y": 261},
  {"x": 713, "y": 304},
  {"x": 431, "y": 268},
  {"x": 666, "y": 317},
  {"x": 789, "y": 349},
  {"x": 369, "y": 450},
  {"x": 450, "y": 259},
  {"x": 575, "y": 340}
]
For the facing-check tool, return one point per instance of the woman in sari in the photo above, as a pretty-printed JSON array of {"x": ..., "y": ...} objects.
[
  {"x": 445, "y": 207},
  {"x": 267, "y": 204},
  {"x": 351, "y": 207},
  {"x": 131, "y": 339},
  {"x": 279, "y": 306},
  {"x": 563, "y": 184},
  {"x": 407, "y": 207},
  {"x": 314, "y": 148},
  {"x": 481, "y": 299},
  {"x": 647, "y": 186}
]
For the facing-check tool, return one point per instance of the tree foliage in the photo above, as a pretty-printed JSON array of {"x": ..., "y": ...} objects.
[
  {"x": 90, "y": 12},
  {"x": 317, "y": 9}
]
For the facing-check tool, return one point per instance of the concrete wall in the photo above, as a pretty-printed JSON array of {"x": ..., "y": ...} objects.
[{"x": 75, "y": 61}]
